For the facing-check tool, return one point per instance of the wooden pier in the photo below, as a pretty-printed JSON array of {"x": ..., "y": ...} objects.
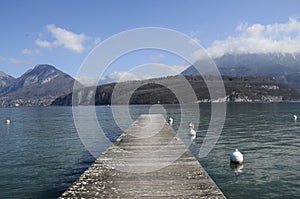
[{"x": 147, "y": 161}]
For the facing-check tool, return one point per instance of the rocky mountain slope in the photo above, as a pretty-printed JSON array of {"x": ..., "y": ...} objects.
[
  {"x": 238, "y": 89},
  {"x": 5, "y": 82},
  {"x": 36, "y": 87},
  {"x": 282, "y": 67}
]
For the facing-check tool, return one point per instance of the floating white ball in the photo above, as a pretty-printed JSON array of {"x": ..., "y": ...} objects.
[
  {"x": 7, "y": 121},
  {"x": 237, "y": 157}
]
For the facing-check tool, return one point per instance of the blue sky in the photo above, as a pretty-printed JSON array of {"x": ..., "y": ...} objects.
[{"x": 34, "y": 32}]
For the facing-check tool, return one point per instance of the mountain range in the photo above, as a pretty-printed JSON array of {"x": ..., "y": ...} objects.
[
  {"x": 282, "y": 67},
  {"x": 160, "y": 91},
  {"x": 38, "y": 86},
  {"x": 44, "y": 84}
]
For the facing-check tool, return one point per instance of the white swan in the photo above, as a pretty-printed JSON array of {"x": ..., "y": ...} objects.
[
  {"x": 295, "y": 117},
  {"x": 192, "y": 131},
  {"x": 192, "y": 137},
  {"x": 171, "y": 121},
  {"x": 7, "y": 121},
  {"x": 237, "y": 157},
  {"x": 191, "y": 125}
]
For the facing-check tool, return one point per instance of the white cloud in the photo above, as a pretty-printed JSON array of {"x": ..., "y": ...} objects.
[
  {"x": 43, "y": 43},
  {"x": 156, "y": 57},
  {"x": 121, "y": 75},
  {"x": 27, "y": 51},
  {"x": 18, "y": 62},
  {"x": 15, "y": 61},
  {"x": 194, "y": 41},
  {"x": 112, "y": 77},
  {"x": 87, "y": 81},
  {"x": 116, "y": 77},
  {"x": 259, "y": 38},
  {"x": 178, "y": 68},
  {"x": 62, "y": 37},
  {"x": 143, "y": 72},
  {"x": 152, "y": 70},
  {"x": 242, "y": 26},
  {"x": 126, "y": 76}
]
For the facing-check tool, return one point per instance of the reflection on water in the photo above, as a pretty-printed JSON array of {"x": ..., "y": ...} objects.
[
  {"x": 192, "y": 137},
  {"x": 237, "y": 168},
  {"x": 41, "y": 153}
]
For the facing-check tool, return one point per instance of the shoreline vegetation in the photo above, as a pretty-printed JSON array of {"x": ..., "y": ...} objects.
[{"x": 159, "y": 91}]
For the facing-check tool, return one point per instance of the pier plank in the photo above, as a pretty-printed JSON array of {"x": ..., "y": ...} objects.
[{"x": 146, "y": 161}]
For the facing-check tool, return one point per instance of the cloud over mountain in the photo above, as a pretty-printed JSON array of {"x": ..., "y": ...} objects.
[{"x": 260, "y": 38}]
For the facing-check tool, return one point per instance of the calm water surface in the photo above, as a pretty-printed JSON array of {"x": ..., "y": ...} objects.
[{"x": 42, "y": 155}]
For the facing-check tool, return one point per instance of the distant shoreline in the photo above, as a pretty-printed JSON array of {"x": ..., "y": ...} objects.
[{"x": 108, "y": 105}]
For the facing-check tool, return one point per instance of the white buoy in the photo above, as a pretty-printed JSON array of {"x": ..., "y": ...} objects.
[
  {"x": 295, "y": 117},
  {"x": 236, "y": 157},
  {"x": 171, "y": 121},
  {"x": 7, "y": 121}
]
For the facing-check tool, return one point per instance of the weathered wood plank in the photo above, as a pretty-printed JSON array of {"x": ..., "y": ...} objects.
[{"x": 147, "y": 161}]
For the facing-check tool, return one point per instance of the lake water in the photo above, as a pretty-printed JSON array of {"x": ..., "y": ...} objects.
[{"x": 42, "y": 155}]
